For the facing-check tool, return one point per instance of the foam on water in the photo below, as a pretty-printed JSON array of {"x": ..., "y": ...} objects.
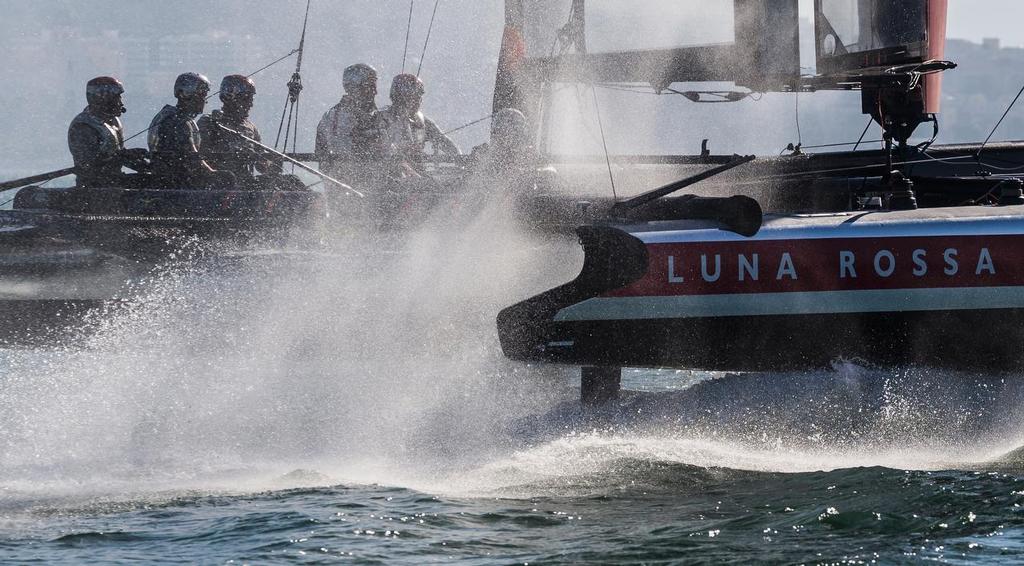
[
  {"x": 383, "y": 350},
  {"x": 377, "y": 363}
]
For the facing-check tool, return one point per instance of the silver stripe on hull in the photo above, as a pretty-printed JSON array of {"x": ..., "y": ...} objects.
[
  {"x": 813, "y": 227},
  {"x": 796, "y": 303}
]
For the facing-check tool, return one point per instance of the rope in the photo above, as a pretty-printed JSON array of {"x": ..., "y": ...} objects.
[
  {"x": 464, "y": 126},
  {"x": 799, "y": 138},
  {"x": 427, "y": 40},
  {"x": 302, "y": 40},
  {"x": 864, "y": 133},
  {"x": 408, "y": 28},
  {"x": 280, "y": 126},
  {"x": 604, "y": 143},
  {"x": 990, "y": 134},
  {"x": 294, "y": 89},
  {"x": 257, "y": 71},
  {"x": 261, "y": 69},
  {"x": 295, "y": 134},
  {"x": 856, "y": 143},
  {"x": 860, "y": 167}
]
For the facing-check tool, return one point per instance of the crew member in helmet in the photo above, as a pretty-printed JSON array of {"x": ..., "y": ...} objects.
[
  {"x": 509, "y": 150},
  {"x": 510, "y": 160},
  {"x": 225, "y": 151},
  {"x": 174, "y": 139},
  {"x": 405, "y": 129},
  {"x": 96, "y": 138},
  {"x": 347, "y": 141}
]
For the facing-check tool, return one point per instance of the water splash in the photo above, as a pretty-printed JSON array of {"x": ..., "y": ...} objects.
[{"x": 377, "y": 362}]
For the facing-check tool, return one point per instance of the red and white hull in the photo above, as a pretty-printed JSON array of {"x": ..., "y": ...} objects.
[{"x": 940, "y": 287}]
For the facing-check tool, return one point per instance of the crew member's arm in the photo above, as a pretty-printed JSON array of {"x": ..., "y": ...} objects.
[
  {"x": 179, "y": 142},
  {"x": 321, "y": 148},
  {"x": 209, "y": 133},
  {"x": 442, "y": 143},
  {"x": 265, "y": 164},
  {"x": 84, "y": 144}
]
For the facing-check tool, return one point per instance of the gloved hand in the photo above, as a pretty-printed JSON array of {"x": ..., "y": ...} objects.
[{"x": 270, "y": 166}]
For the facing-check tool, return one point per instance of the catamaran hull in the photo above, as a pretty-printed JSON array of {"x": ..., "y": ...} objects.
[
  {"x": 938, "y": 287},
  {"x": 68, "y": 252}
]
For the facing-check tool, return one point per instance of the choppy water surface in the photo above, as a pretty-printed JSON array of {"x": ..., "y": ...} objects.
[{"x": 353, "y": 406}]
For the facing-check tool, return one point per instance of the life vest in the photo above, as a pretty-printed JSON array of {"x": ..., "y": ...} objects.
[
  {"x": 111, "y": 134},
  {"x": 224, "y": 151},
  {"x": 345, "y": 131},
  {"x": 406, "y": 135},
  {"x": 166, "y": 113}
]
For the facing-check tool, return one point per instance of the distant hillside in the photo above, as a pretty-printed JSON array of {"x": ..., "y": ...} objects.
[{"x": 977, "y": 92}]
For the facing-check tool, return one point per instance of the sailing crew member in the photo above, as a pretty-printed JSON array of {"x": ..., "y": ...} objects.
[
  {"x": 510, "y": 149},
  {"x": 96, "y": 138},
  {"x": 405, "y": 129},
  {"x": 174, "y": 139},
  {"x": 347, "y": 141},
  {"x": 510, "y": 159},
  {"x": 225, "y": 151}
]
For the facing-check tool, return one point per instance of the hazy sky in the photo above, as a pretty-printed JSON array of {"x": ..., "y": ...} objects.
[
  {"x": 975, "y": 19},
  {"x": 43, "y": 79}
]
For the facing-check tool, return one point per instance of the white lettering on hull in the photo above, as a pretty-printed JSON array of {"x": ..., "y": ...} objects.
[
  {"x": 710, "y": 277},
  {"x": 748, "y": 268},
  {"x": 920, "y": 265},
  {"x": 884, "y": 264},
  {"x": 786, "y": 268},
  {"x": 885, "y": 256},
  {"x": 672, "y": 277},
  {"x": 846, "y": 268},
  {"x": 952, "y": 267},
  {"x": 985, "y": 263}
]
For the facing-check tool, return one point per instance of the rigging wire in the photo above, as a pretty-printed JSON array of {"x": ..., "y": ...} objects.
[
  {"x": 861, "y": 167},
  {"x": 468, "y": 124},
  {"x": 864, "y": 133},
  {"x": 949, "y": 160},
  {"x": 604, "y": 143},
  {"x": 641, "y": 89},
  {"x": 211, "y": 95},
  {"x": 208, "y": 97},
  {"x": 799, "y": 137},
  {"x": 295, "y": 132},
  {"x": 294, "y": 90},
  {"x": 408, "y": 28},
  {"x": 840, "y": 144},
  {"x": 291, "y": 107},
  {"x": 996, "y": 127},
  {"x": 426, "y": 41},
  {"x": 263, "y": 68}
]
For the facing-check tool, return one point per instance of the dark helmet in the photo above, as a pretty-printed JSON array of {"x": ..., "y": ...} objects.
[
  {"x": 233, "y": 86},
  {"x": 406, "y": 87},
  {"x": 191, "y": 85},
  {"x": 357, "y": 76},
  {"x": 102, "y": 89}
]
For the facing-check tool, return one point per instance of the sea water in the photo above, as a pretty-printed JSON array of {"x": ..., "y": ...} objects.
[{"x": 351, "y": 404}]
